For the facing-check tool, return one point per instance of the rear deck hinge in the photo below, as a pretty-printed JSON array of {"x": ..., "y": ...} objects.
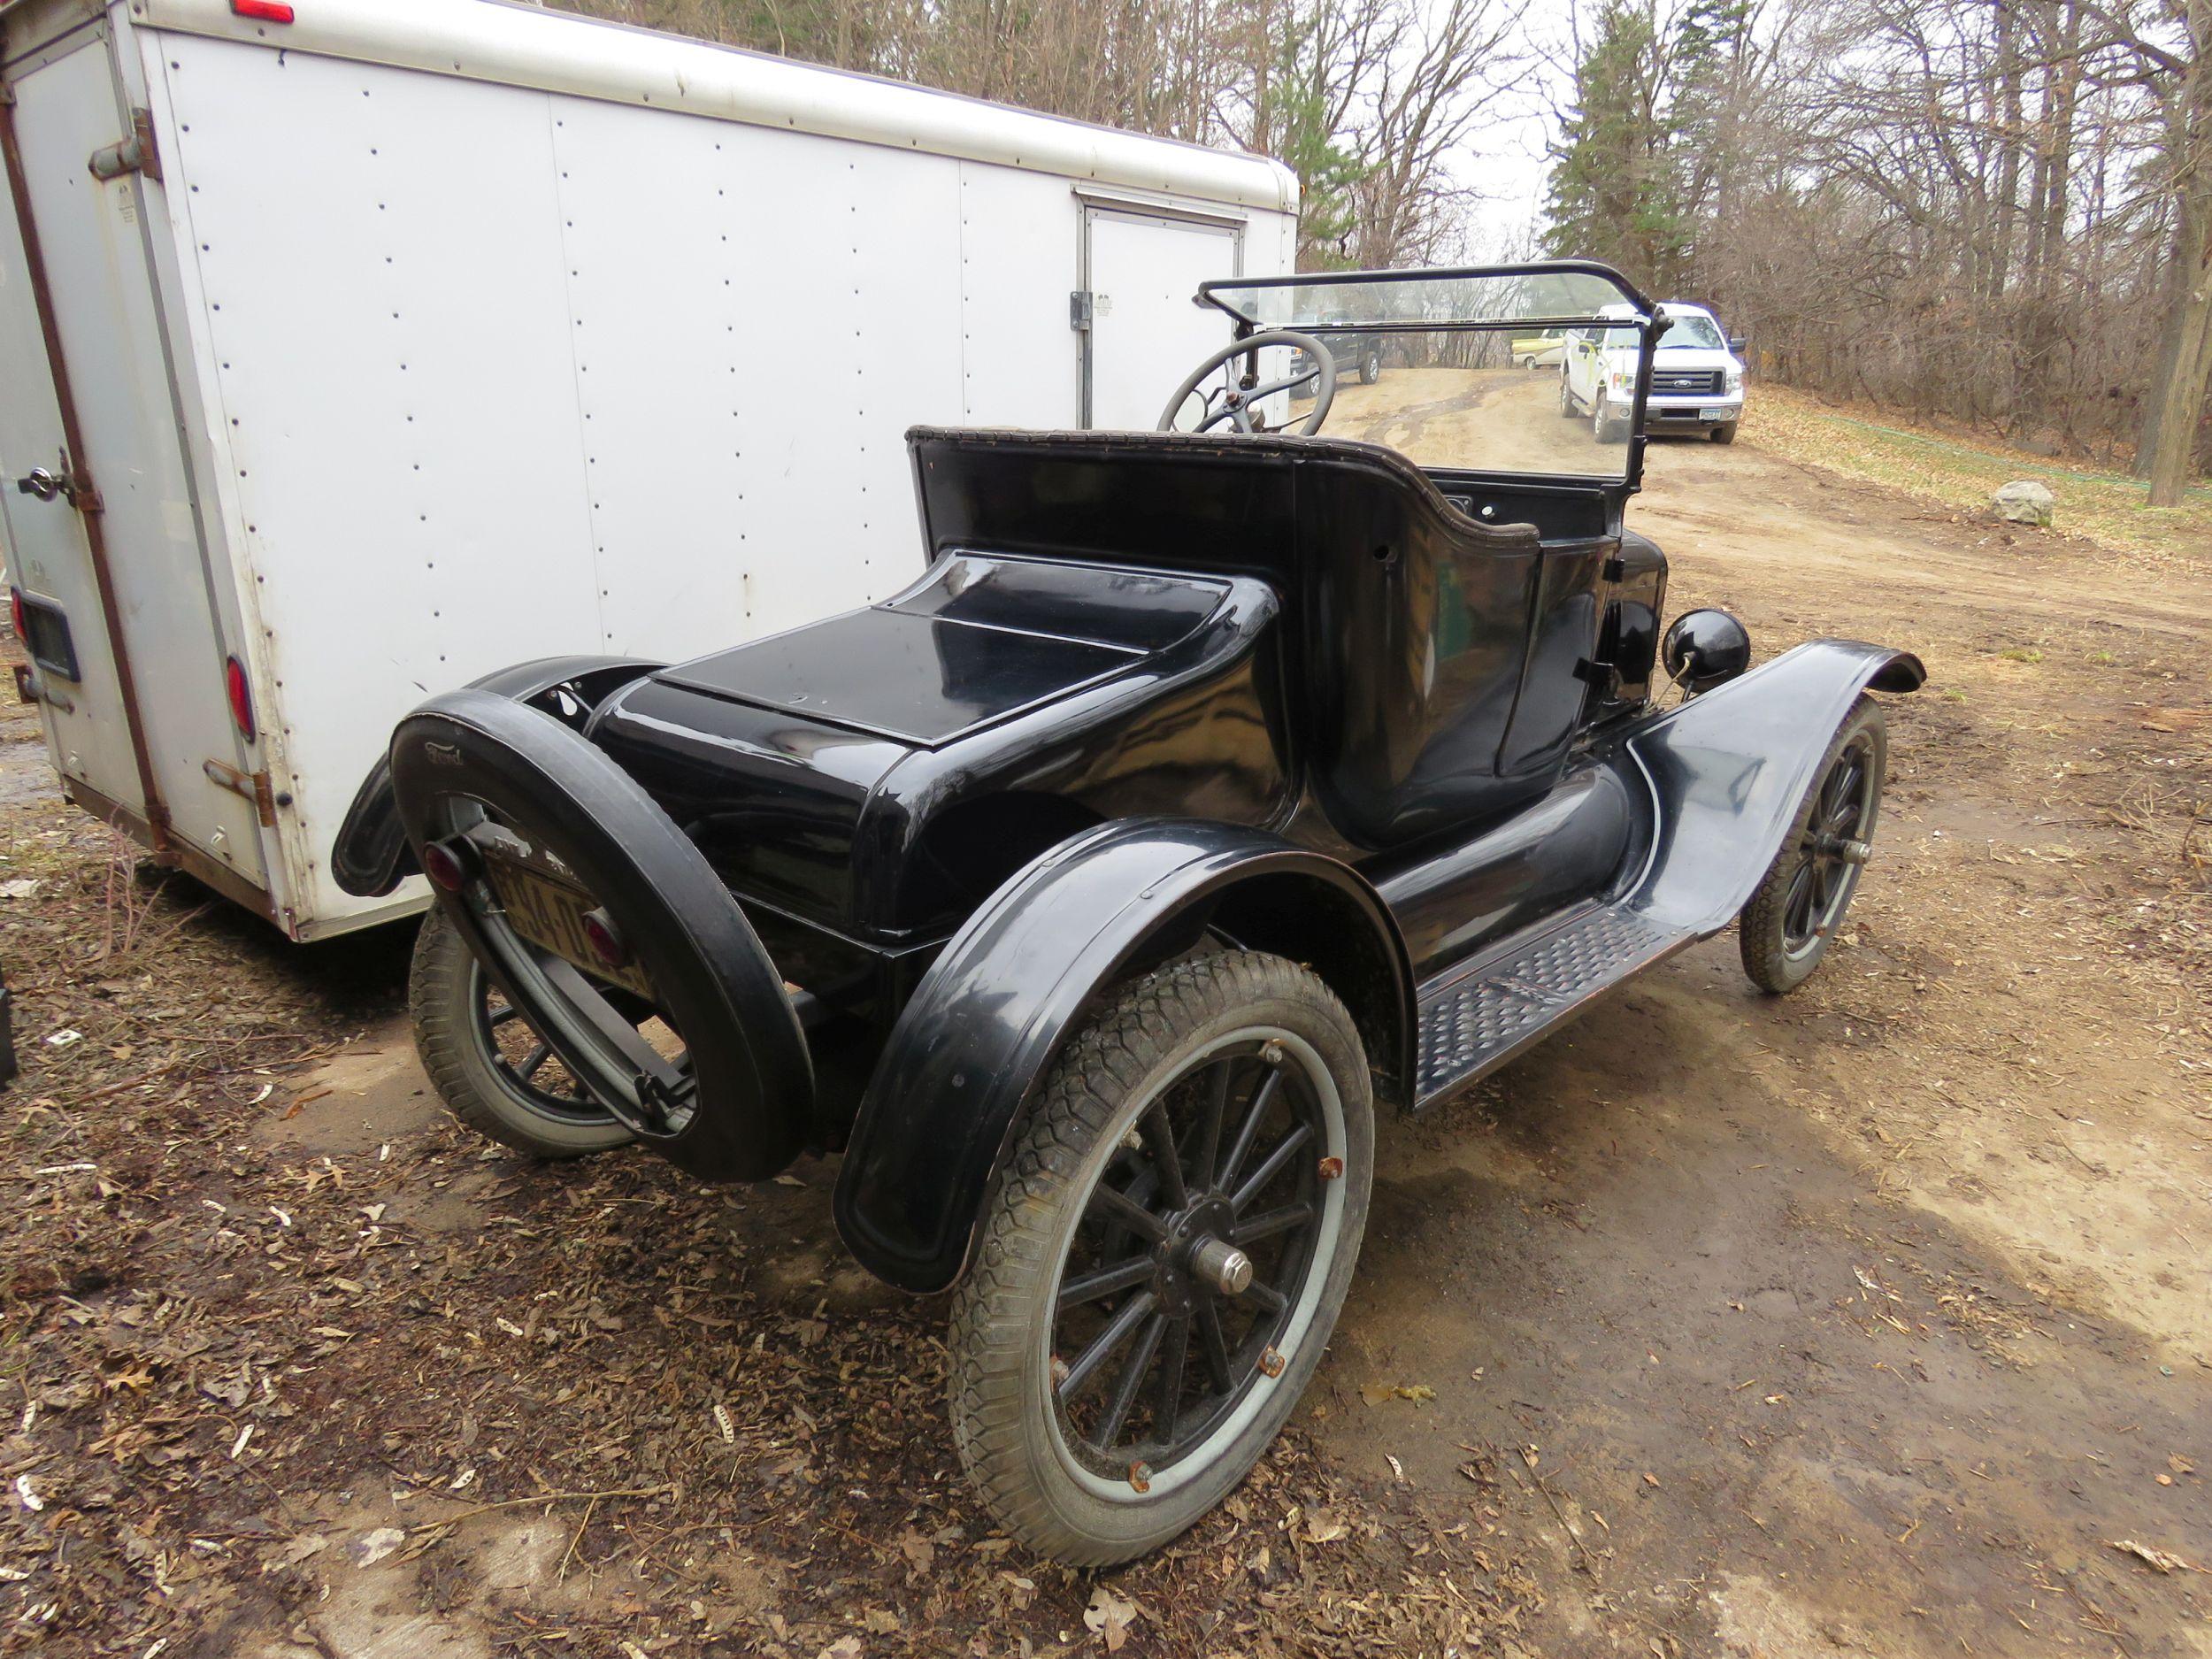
[
  {"x": 253, "y": 785},
  {"x": 134, "y": 154},
  {"x": 1079, "y": 310},
  {"x": 1603, "y": 677}
]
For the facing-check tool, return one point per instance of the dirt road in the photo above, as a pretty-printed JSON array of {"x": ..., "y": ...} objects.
[
  {"x": 1870, "y": 1320},
  {"x": 1874, "y": 1320}
]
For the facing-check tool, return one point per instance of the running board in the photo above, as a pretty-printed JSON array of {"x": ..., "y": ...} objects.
[{"x": 1478, "y": 1015}]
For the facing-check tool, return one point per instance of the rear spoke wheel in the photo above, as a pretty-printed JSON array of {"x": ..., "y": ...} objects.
[{"x": 1164, "y": 1258}]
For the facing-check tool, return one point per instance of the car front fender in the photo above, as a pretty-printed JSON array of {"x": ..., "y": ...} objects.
[
  {"x": 1728, "y": 768},
  {"x": 371, "y": 855},
  {"x": 1012, "y": 987}
]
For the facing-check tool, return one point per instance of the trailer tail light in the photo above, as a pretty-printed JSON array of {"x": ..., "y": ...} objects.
[
  {"x": 240, "y": 696},
  {"x": 263, "y": 11},
  {"x": 43, "y": 628}
]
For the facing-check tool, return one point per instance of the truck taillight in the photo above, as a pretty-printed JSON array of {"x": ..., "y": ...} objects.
[
  {"x": 15, "y": 612},
  {"x": 240, "y": 695},
  {"x": 263, "y": 11}
]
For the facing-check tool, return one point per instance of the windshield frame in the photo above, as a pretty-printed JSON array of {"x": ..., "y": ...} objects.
[{"x": 1647, "y": 318}]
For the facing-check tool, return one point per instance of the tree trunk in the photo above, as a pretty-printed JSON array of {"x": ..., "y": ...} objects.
[{"x": 2183, "y": 373}]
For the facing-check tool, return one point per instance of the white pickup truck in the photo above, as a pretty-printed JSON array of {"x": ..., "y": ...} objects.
[{"x": 1696, "y": 378}]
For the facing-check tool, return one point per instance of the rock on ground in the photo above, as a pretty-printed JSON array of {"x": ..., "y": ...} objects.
[{"x": 2024, "y": 501}]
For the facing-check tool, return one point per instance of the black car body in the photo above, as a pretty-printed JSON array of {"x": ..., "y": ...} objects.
[{"x": 1150, "y": 697}]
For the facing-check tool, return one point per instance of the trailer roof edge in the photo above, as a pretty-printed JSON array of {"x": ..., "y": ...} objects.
[{"x": 526, "y": 45}]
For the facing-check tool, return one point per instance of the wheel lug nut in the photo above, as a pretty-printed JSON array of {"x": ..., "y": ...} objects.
[
  {"x": 1332, "y": 1169},
  {"x": 1271, "y": 1363},
  {"x": 1272, "y": 1052},
  {"x": 1141, "y": 1475},
  {"x": 1059, "y": 1371}
]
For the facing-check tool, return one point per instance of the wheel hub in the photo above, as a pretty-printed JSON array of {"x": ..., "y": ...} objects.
[{"x": 1196, "y": 1256}]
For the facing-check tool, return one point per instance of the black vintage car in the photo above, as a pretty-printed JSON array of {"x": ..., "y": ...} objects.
[{"x": 1205, "y": 792}]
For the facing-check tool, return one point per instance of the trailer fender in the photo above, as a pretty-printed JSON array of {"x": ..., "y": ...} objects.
[
  {"x": 1729, "y": 767},
  {"x": 371, "y": 855},
  {"x": 1012, "y": 987}
]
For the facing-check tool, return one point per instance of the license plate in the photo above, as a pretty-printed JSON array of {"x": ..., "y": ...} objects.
[
  {"x": 550, "y": 914},
  {"x": 1722, "y": 413}
]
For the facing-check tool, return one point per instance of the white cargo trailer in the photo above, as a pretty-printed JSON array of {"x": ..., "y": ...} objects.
[{"x": 355, "y": 348}]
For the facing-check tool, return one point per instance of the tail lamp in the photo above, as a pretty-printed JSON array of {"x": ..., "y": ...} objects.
[
  {"x": 445, "y": 865},
  {"x": 605, "y": 939}
]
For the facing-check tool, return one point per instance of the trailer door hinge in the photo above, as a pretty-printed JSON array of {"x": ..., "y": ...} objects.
[
  {"x": 134, "y": 154},
  {"x": 253, "y": 785},
  {"x": 1079, "y": 308}
]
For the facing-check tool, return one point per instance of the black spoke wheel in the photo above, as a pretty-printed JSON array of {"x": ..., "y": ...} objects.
[
  {"x": 491, "y": 1066},
  {"x": 1163, "y": 1260},
  {"x": 1800, "y": 906}
]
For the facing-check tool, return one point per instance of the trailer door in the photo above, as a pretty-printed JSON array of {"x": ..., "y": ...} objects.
[
  {"x": 1141, "y": 272},
  {"x": 125, "y": 570}
]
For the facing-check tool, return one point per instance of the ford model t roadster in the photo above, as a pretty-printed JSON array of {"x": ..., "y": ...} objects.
[{"x": 1206, "y": 790}]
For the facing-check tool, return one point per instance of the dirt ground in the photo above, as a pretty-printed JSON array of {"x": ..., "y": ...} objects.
[{"x": 1875, "y": 1320}]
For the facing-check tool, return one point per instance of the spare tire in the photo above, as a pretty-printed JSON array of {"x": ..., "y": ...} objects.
[{"x": 684, "y": 1032}]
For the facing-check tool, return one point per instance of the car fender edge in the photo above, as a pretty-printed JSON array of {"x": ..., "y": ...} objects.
[{"x": 1012, "y": 988}]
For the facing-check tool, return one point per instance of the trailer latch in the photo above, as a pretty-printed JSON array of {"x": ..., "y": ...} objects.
[
  {"x": 253, "y": 785},
  {"x": 73, "y": 486},
  {"x": 1079, "y": 308},
  {"x": 134, "y": 154}
]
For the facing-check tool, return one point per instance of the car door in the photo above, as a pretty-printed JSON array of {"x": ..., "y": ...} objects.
[{"x": 1586, "y": 363}]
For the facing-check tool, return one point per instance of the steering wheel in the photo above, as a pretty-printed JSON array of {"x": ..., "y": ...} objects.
[{"x": 1237, "y": 400}]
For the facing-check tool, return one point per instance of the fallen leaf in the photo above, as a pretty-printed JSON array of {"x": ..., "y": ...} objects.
[
  {"x": 2165, "y": 1561},
  {"x": 1323, "y": 1527},
  {"x": 373, "y": 1547},
  {"x": 1109, "y": 1617},
  {"x": 843, "y": 1648}
]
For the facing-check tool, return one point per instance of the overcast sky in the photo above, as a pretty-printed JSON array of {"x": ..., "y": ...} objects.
[{"x": 1505, "y": 160}]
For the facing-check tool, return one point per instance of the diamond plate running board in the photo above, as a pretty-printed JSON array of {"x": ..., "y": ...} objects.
[{"x": 1481, "y": 1014}]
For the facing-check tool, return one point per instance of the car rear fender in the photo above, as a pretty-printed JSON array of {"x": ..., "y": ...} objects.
[
  {"x": 371, "y": 855},
  {"x": 1012, "y": 987},
  {"x": 1728, "y": 768}
]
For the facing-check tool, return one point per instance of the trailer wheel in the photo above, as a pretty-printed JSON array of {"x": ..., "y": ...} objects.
[
  {"x": 489, "y": 1065},
  {"x": 1799, "y": 904},
  {"x": 1163, "y": 1255}
]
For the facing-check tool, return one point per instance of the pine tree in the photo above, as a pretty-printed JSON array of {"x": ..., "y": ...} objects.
[{"x": 1613, "y": 189}]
